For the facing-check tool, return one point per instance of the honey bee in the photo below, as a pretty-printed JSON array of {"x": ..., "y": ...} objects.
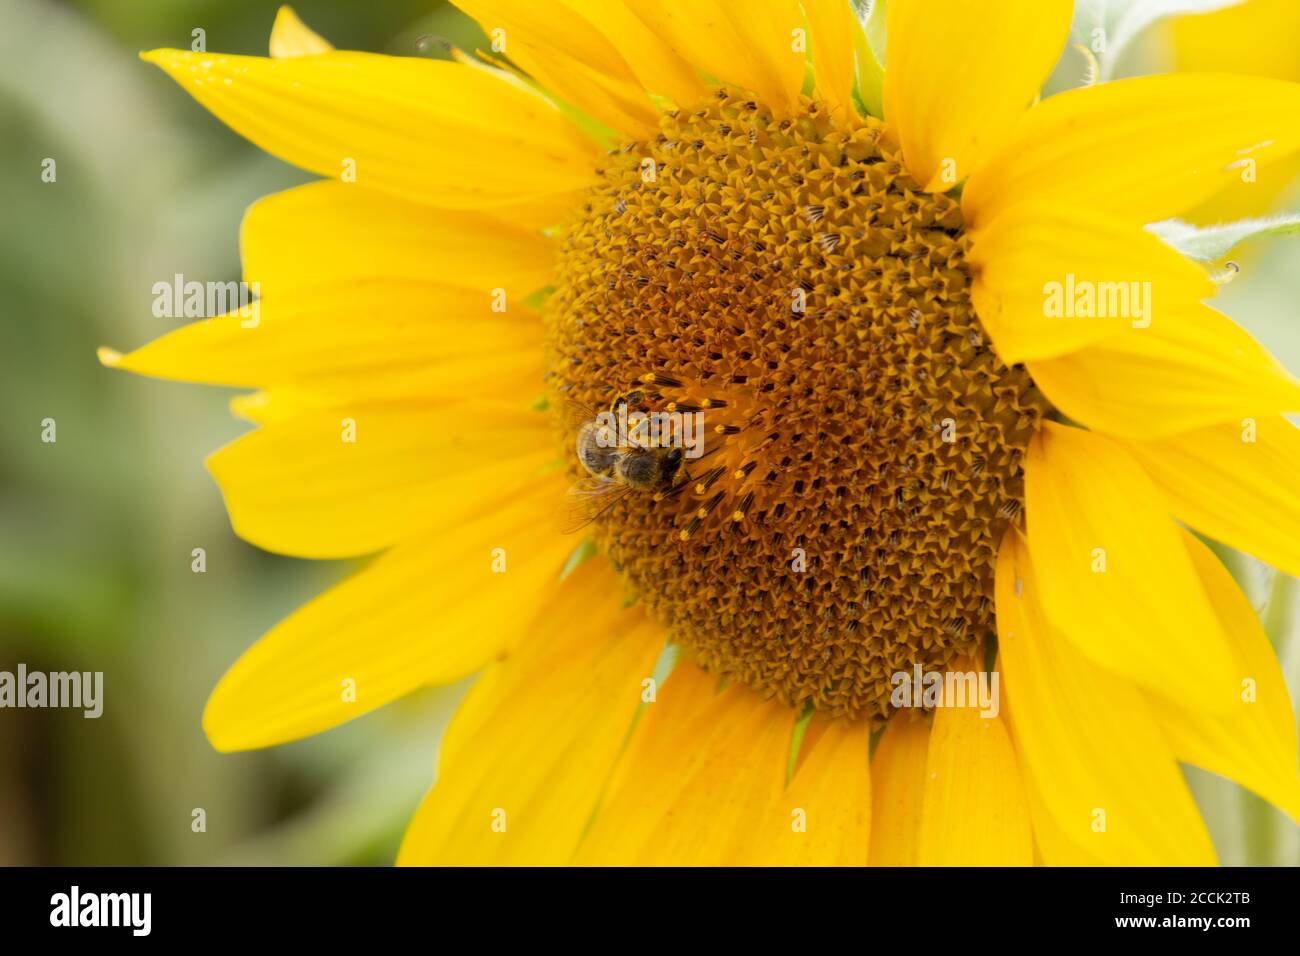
[{"x": 615, "y": 469}]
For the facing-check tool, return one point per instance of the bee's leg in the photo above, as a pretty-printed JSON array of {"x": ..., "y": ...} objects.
[
  {"x": 676, "y": 489},
  {"x": 676, "y": 486}
]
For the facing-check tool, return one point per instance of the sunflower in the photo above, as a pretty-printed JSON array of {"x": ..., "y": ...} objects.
[{"x": 961, "y": 411}]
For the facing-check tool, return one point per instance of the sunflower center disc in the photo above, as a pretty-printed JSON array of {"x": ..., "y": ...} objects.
[{"x": 862, "y": 443}]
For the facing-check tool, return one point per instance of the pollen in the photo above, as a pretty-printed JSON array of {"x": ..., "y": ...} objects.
[{"x": 862, "y": 444}]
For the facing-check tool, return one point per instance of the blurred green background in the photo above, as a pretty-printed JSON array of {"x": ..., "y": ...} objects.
[{"x": 97, "y": 529}]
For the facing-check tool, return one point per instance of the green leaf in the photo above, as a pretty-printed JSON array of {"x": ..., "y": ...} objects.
[
  {"x": 665, "y": 663},
  {"x": 796, "y": 740},
  {"x": 1208, "y": 243},
  {"x": 869, "y": 51}
]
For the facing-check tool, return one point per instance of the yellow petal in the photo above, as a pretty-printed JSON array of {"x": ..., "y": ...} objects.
[
  {"x": 359, "y": 339},
  {"x": 431, "y": 131},
  {"x": 1184, "y": 372},
  {"x": 543, "y": 212},
  {"x": 291, "y": 37},
  {"x": 898, "y": 778},
  {"x": 1113, "y": 575},
  {"x": 328, "y": 231},
  {"x": 430, "y": 611},
  {"x": 974, "y": 812},
  {"x": 1051, "y": 845},
  {"x": 749, "y": 44},
  {"x": 960, "y": 74},
  {"x": 534, "y": 742},
  {"x": 701, "y": 772},
  {"x": 1235, "y": 482},
  {"x": 830, "y": 797},
  {"x": 347, "y": 480},
  {"x": 265, "y": 407},
  {"x": 1252, "y": 737},
  {"x": 1142, "y": 149},
  {"x": 1031, "y": 265},
  {"x": 1258, "y": 38},
  {"x": 568, "y": 56},
  {"x": 703, "y": 782},
  {"x": 1090, "y": 748},
  {"x": 653, "y": 62},
  {"x": 833, "y": 28},
  {"x": 1264, "y": 193}
]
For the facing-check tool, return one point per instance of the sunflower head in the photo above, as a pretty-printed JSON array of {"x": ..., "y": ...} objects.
[{"x": 782, "y": 274}]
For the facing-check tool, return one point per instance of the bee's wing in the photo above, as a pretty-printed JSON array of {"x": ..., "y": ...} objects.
[
  {"x": 575, "y": 414},
  {"x": 586, "y": 500}
]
